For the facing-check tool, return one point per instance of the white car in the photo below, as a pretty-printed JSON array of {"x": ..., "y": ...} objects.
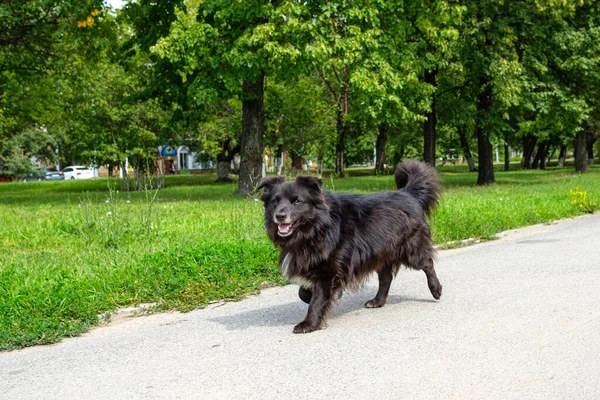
[{"x": 78, "y": 172}]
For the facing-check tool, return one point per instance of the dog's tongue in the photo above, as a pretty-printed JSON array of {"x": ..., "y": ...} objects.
[{"x": 284, "y": 228}]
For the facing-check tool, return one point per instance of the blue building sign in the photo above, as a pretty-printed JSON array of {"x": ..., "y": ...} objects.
[{"x": 168, "y": 150}]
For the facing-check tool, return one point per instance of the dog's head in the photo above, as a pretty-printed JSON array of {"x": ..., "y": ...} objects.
[{"x": 291, "y": 207}]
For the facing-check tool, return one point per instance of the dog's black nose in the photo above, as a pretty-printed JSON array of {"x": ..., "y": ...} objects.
[{"x": 280, "y": 216}]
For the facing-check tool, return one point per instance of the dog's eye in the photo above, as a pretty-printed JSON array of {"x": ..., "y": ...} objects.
[
  {"x": 275, "y": 200},
  {"x": 297, "y": 202}
]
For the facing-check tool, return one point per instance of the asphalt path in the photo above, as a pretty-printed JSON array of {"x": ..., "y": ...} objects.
[{"x": 519, "y": 319}]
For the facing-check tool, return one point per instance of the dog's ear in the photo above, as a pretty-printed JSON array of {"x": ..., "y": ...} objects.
[
  {"x": 310, "y": 182},
  {"x": 267, "y": 185}
]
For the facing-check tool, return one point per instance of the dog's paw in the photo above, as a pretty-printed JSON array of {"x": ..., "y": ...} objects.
[
  {"x": 374, "y": 303},
  {"x": 436, "y": 291},
  {"x": 305, "y": 327}
]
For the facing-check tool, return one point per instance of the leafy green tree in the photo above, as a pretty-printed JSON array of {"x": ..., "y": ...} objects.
[
  {"x": 150, "y": 20},
  {"x": 27, "y": 105},
  {"x": 435, "y": 32},
  {"x": 360, "y": 52},
  {"x": 300, "y": 120},
  {"x": 36, "y": 38},
  {"x": 28, "y": 144},
  {"x": 337, "y": 40},
  {"x": 101, "y": 117},
  {"x": 108, "y": 124},
  {"x": 456, "y": 111},
  {"x": 31, "y": 29},
  {"x": 575, "y": 65},
  {"x": 227, "y": 52},
  {"x": 220, "y": 133},
  {"x": 535, "y": 70},
  {"x": 501, "y": 47}
]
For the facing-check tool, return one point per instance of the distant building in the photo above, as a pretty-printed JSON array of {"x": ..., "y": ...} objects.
[{"x": 182, "y": 158}]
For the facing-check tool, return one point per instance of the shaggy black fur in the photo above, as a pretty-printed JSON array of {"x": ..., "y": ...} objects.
[{"x": 330, "y": 242}]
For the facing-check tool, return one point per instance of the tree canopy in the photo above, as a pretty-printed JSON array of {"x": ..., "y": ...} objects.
[{"x": 329, "y": 84}]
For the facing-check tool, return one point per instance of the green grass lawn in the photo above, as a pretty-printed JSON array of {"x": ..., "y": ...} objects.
[{"x": 71, "y": 250}]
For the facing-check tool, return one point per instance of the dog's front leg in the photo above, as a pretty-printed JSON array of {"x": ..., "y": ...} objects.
[{"x": 319, "y": 306}]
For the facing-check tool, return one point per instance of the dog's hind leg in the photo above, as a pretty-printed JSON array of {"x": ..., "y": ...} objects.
[
  {"x": 432, "y": 281},
  {"x": 305, "y": 294},
  {"x": 385, "y": 280}
]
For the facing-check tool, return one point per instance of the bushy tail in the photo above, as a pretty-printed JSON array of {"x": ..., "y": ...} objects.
[{"x": 420, "y": 180}]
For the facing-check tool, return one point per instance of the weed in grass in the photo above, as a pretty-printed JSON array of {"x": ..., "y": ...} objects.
[
  {"x": 582, "y": 202},
  {"x": 113, "y": 224}
]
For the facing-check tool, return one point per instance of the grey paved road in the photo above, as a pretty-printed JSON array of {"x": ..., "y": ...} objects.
[{"x": 519, "y": 319}]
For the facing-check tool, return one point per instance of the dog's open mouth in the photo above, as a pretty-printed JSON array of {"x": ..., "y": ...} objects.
[{"x": 285, "y": 229}]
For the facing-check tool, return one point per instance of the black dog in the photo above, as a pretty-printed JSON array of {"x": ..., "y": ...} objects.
[{"x": 330, "y": 242}]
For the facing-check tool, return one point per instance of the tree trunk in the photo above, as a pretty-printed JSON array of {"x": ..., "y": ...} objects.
[
  {"x": 146, "y": 175},
  {"x": 296, "y": 160},
  {"x": 223, "y": 171},
  {"x": 342, "y": 131},
  {"x": 544, "y": 155},
  {"x": 506, "y": 155},
  {"x": 279, "y": 158},
  {"x": 562, "y": 155},
  {"x": 581, "y": 151},
  {"x": 429, "y": 126},
  {"x": 464, "y": 144},
  {"x": 252, "y": 142},
  {"x": 540, "y": 156},
  {"x": 399, "y": 155},
  {"x": 529, "y": 142},
  {"x": 589, "y": 144},
  {"x": 127, "y": 186},
  {"x": 536, "y": 159},
  {"x": 224, "y": 160},
  {"x": 339, "y": 153},
  {"x": 485, "y": 174},
  {"x": 380, "y": 149},
  {"x": 550, "y": 154},
  {"x": 320, "y": 163},
  {"x": 543, "y": 160}
]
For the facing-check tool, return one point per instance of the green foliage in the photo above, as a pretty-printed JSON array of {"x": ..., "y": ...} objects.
[
  {"x": 111, "y": 123},
  {"x": 35, "y": 27},
  {"x": 150, "y": 20},
  {"x": 24, "y": 145},
  {"x": 76, "y": 107},
  {"x": 299, "y": 117},
  {"x": 184, "y": 61},
  {"x": 223, "y": 124},
  {"x": 27, "y": 108},
  {"x": 215, "y": 37}
]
